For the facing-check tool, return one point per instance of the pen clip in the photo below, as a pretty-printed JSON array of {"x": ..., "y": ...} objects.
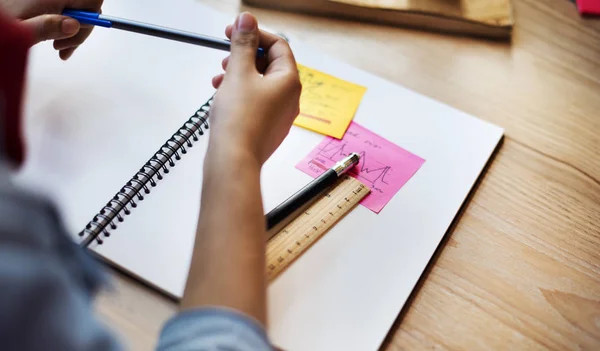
[{"x": 89, "y": 18}]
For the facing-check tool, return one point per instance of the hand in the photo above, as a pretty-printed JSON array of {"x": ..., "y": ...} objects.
[
  {"x": 251, "y": 111},
  {"x": 46, "y": 23}
]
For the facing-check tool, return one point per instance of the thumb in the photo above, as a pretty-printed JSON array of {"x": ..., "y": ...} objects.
[
  {"x": 244, "y": 44},
  {"x": 47, "y": 27}
]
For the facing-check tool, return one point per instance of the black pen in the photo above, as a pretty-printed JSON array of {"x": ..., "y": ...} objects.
[
  {"x": 283, "y": 214},
  {"x": 97, "y": 19}
]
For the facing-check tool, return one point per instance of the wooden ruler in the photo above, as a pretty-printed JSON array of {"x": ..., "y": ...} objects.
[{"x": 294, "y": 239}]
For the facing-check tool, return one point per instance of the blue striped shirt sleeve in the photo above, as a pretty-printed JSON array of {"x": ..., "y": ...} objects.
[{"x": 213, "y": 329}]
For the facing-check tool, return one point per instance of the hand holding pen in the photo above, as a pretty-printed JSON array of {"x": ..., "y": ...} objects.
[
  {"x": 43, "y": 19},
  {"x": 257, "y": 100}
]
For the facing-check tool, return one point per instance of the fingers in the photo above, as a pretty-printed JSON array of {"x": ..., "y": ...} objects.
[
  {"x": 244, "y": 44},
  {"x": 217, "y": 80},
  {"x": 66, "y": 53},
  {"x": 73, "y": 41},
  {"x": 261, "y": 64},
  {"x": 245, "y": 40},
  {"x": 225, "y": 63},
  {"x": 47, "y": 27},
  {"x": 46, "y": 23},
  {"x": 279, "y": 55},
  {"x": 69, "y": 45}
]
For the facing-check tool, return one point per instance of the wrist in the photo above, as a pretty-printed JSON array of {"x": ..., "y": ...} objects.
[{"x": 230, "y": 157}]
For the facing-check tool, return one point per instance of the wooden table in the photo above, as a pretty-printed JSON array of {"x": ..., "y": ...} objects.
[{"x": 520, "y": 269}]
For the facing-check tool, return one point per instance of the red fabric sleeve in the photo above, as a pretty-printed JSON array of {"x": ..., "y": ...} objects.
[{"x": 15, "y": 41}]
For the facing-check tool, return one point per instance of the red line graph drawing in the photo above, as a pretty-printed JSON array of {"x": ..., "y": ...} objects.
[
  {"x": 368, "y": 170},
  {"x": 384, "y": 167}
]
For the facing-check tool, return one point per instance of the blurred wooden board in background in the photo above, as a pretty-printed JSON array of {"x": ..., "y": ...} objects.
[{"x": 486, "y": 18}]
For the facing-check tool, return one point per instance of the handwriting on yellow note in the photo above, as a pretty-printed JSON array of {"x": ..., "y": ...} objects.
[{"x": 327, "y": 103}]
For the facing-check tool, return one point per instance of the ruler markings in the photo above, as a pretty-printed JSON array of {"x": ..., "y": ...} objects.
[{"x": 293, "y": 240}]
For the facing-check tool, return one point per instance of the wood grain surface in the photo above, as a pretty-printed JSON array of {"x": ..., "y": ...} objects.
[
  {"x": 487, "y": 18},
  {"x": 487, "y": 11},
  {"x": 520, "y": 268}
]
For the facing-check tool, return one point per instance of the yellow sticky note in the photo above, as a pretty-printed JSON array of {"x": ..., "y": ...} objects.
[{"x": 327, "y": 103}]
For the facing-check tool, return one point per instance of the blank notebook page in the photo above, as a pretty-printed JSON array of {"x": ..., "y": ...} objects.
[{"x": 93, "y": 121}]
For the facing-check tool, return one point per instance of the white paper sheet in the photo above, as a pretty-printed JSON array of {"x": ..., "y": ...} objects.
[{"x": 92, "y": 122}]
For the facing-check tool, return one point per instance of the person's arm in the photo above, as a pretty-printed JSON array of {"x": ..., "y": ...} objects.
[
  {"x": 24, "y": 24},
  {"x": 229, "y": 257},
  {"x": 46, "y": 281},
  {"x": 224, "y": 304},
  {"x": 251, "y": 116}
]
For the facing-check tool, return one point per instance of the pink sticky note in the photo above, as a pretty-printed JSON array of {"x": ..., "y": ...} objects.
[{"x": 384, "y": 167}]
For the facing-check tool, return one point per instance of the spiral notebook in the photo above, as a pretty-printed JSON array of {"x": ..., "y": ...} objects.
[
  {"x": 116, "y": 137},
  {"x": 152, "y": 172}
]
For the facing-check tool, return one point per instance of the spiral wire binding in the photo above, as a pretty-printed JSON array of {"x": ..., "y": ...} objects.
[{"x": 146, "y": 178}]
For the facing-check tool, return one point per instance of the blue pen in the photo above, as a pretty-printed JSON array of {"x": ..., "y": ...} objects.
[{"x": 96, "y": 19}]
